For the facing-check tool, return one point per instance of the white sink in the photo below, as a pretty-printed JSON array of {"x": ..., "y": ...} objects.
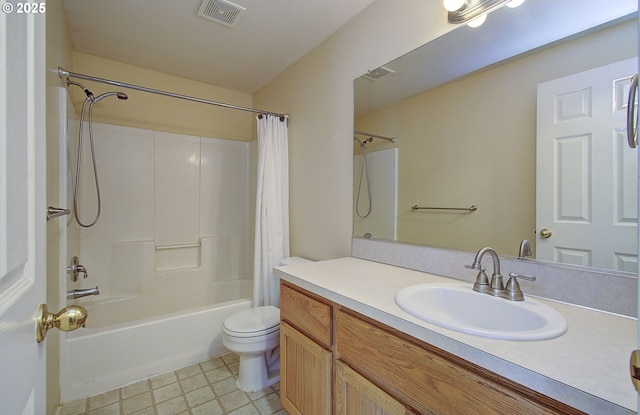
[{"x": 457, "y": 307}]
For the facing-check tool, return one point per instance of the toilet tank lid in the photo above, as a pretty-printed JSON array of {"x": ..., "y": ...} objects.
[
  {"x": 294, "y": 260},
  {"x": 253, "y": 320}
]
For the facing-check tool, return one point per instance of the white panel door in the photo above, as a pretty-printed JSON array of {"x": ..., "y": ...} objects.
[
  {"x": 22, "y": 209},
  {"x": 586, "y": 173}
]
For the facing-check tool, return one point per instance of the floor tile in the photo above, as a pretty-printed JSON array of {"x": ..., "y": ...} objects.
[
  {"x": 135, "y": 389},
  {"x": 112, "y": 409},
  {"x": 193, "y": 383},
  {"x": 137, "y": 403},
  {"x": 200, "y": 396},
  {"x": 167, "y": 392},
  {"x": 173, "y": 406},
  {"x": 233, "y": 400},
  {"x": 163, "y": 380},
  {"x": 188, "y": 371},
  {"x": 104, "y": 399},
  {"x": 206, "y": 388}
]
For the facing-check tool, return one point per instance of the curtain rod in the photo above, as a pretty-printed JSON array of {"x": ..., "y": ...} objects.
[
  {"x": 63, "y": 73},
  {"x": 392, "y": 139}
]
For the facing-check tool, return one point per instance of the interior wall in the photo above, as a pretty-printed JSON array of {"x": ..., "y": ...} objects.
[
  {"x": 317, "y": 91},
  {"x": 59, "y": 53},
  {"x": 450, "y": 155},
  {"x": 161, "y": 113}
]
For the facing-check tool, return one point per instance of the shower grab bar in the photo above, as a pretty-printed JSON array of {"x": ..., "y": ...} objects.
[
  {"x": 392, "y": 139},
  {"x": 470, "y": 209},
  {"x": 177, "y": 246},
  {"x": 63, "y": 73}
]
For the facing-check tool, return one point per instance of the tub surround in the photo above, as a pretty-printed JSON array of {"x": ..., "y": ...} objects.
[{"x": 586, "y": 368}]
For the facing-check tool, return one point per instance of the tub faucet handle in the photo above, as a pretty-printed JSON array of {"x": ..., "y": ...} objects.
[{"x": 76, "y": 268}]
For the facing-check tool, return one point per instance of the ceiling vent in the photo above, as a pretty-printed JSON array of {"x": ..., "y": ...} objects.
[
  {"x": 378, "y": 73},
  {"x": 221, "y": 11}
]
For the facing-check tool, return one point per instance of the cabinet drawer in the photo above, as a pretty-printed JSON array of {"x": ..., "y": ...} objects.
[
  {"x": 429, "y": 379},
  {"x": 309, "y": 315}
]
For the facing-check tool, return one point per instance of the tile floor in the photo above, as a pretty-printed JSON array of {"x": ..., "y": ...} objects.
[{"x": 206, "y": 388}]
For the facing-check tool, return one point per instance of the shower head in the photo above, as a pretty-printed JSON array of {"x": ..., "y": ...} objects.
[
  {"x": 78, "y": 84},
  {"x": 363, "y": 143},
  {"x": 120, "y": 95}
]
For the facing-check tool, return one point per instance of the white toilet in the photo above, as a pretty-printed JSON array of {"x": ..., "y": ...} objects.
[{"x": 254, "y": 335}]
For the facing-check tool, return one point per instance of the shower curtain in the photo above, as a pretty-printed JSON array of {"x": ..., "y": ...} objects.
[{"x": 272, "y": 209}]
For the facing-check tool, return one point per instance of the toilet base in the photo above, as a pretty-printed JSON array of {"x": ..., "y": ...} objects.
[{"x": 254, "y": 374}]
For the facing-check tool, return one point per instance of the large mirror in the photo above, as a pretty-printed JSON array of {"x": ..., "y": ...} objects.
[{"x": 499, "y": 129}]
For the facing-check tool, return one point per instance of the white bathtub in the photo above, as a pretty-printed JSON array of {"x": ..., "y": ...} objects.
[{"x": 109, "y": 353}]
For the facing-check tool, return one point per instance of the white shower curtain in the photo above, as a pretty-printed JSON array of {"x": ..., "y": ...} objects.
[{"x": 272, "y": 209}]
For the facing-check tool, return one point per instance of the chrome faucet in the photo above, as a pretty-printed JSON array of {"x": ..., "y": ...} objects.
[
  {"x": 84, "y": 292},
  {"x": 524, "y": 250},
  {"x": 482, "y": 284},
  {"x": 496, "y": 287}
]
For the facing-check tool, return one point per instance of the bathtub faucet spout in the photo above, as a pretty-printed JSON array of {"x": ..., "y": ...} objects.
[{"x": 85, "y": 292}]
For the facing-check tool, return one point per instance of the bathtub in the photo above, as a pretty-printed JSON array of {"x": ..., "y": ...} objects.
[{"x": 121, "y": 344}]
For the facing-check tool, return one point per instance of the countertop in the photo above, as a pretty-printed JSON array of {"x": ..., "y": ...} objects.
[{"x": 587, "y": 367}]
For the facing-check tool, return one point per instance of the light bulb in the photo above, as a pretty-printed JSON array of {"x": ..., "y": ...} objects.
[
  {"x": 515, "y": 3},
  {"x": 453, "y": 5},
  {"x": 477, "y": 21}
]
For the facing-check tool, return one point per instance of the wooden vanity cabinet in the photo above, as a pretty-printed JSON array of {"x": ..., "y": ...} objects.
[
  {"x": 355, "y": 394},
  {"x": 428, "y": 379},
  {"x": 358, "y": 366},
  {"x": 306, "y": 359}
]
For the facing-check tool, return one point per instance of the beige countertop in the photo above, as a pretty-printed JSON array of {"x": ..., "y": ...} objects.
[{"x": 587, "y": 367}]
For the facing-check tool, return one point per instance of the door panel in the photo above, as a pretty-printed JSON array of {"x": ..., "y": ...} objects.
[
  {"x": 587, "y": 187},
  {"x": 22, "y": 209}
]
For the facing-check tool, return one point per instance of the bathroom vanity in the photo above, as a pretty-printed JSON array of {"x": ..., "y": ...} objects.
[{"x": 347, "y": 348}]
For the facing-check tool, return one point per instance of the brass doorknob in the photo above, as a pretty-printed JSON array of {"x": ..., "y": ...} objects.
[
  {"x": 68, "y": 319},
  {"x": 545, "y": 233}
]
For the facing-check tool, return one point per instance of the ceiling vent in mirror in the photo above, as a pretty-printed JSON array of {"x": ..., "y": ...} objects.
[
  {"x": 221, "y": 11},
  {"x": 378, "y": 73}
]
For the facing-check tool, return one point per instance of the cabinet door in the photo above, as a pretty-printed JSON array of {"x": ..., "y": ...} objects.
[
  {"x": 305, "y": 374},
  {"x": 356, "y": 395}
]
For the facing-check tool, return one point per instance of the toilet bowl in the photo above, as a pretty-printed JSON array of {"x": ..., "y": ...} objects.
[{"x": 254, "y": 335}]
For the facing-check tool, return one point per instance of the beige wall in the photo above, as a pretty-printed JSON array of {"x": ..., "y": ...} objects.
[
  {"x": 473, "y": 141},
  {"x": 59, "y": 52},
  {"x": 317, "y": 91},
  {"x": 160, "y": 113}
]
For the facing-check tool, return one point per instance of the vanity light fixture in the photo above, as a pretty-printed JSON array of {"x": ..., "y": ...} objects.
[{"x": 474, "y": 12}]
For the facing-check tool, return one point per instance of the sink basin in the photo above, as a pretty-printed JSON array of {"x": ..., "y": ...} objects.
[{"x": 457, "y": 307}]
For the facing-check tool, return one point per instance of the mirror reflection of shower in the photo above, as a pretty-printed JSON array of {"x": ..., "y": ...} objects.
[
  {"x": 375, "y": 204},
  {"x": 364, "y": 174},
  {"x": 91, "y": 100}
]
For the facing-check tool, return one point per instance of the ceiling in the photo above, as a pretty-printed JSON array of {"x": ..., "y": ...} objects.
[{"x": 168, "y": 36}]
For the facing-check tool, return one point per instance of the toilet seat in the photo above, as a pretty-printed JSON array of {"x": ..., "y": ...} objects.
[{"x": 254, "y": 322}]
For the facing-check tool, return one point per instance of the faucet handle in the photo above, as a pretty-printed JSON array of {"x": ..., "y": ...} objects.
[
  {"x": 512, "y": 290},
  {"x": 475, "y": 266},
  {"x": 523, "y": 276}
]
